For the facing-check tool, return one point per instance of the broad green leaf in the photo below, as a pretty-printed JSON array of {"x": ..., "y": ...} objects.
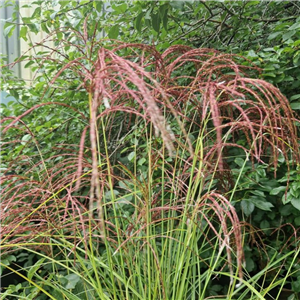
[
  {"x": 297, "y": 221},
  {"x": 9, "y": 30},
  {"x": 295, "y": 26},
  {"x": 97, "y": 5},
  {"x": 120, "y": 8},
  {"x": 34, "y": 28},
  {"x": 131, "y": 156},
  {"x": 286, "y": 198},
  {"x": 269, "y": 68},
  {"x": 239, "y": 161},
  {"x": 262, "y": 204},
  {"x": 31, "y": 62},
  {"x": 250, "y": 265},
  {"x": 296, "y": 203},
  {"x": 138, "y": 21},
  {"x": 141, "y": 161},
  {"x": 264, "y": 224},
  {"x": 295, "y": 105},
  {"x": 258, "y": 193},
  {"x": 155, "y": 22},
  {"x": 286, "y": 210},
  {"x": 163, "y": 13},
  {"x": 295, "y": 189},
  {"x": 163, "y": 9},
  {"x": 274, "y": 35},
  {"x": 64, "y": 3},
  {"x": 277, "y": 190},
  {"x": 247, "y": 207},
  {"x": 72, "y": 280},
  {"x": 251, "y": 53},
  {"x": 296, "y": 58},
  {"x": 59, "y": 35},
  {"x": 269, "y": 75},
  {"x": 295, "y": 97},
  {"x": 113, "y": 32},
  {"x": 288, "y": 35},
  {"x": 37, "y": 12},
  {"x": 23, "y": 33},
  {"x": 296, "y": 287}
]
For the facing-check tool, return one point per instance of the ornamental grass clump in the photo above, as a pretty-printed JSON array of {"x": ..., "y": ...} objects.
[{"x": 139, "y": 204}]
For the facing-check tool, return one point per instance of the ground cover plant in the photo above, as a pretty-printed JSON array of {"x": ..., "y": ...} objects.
[{"x": 131, "y": 174}]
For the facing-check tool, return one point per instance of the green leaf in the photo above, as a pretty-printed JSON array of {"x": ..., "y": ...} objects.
[
  {"x": 286, "y": 210},
  {"x": 286, "y": 198},
  {"x": 274, "y": 35},
  {"x": 141, "y": 161},
  {"x": 120, "y": 8},
  {"x": 163, "y": 13},
  {"x": 296, "y": 203},
  {"x": 72, "y": 281},
  {"x": 44, "y": 27},
  {"x": 165, "y": 20},
  {"x": 131, "y": 156},
  {"x": 156, "y": 22},
  {"x": 138, "y": 22},
  {"x": 297, "y": 221},
  {"x": 295, "y": 97},
  {"x": 288, "y": 35},
  {"x": 34, "y": 268},
  {"x": 34, "y": 28},
  {"x": 64, "y": 3},
  {"x": 295, "y": 105},
  {"x": 23, "y": 33},
  {"x": 162, "y": 10},
  {"x": 97, "y": 5},
  {"x": 262, "y": 204},
  {"x": 239, "y": 161},
  {"x": 295, "y": 26},
  {"x": 113, "y": 32},
  {"x": 59, "y": 35},
  {"x": 277, "y": 190},
  {"x": 269, "y": 75},
  {"x": 264, "y": 224},
  {"x": 251, "y": 53},
  {"x": 8, "y": 31},
  {"x": 247, "y": 207},
  {"x": 258, "y": 193},
  {"x": 250, "y": 265},
  {"x": 296, "y": 286}
]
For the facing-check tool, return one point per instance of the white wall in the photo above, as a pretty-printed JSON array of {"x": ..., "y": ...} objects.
[{"x": 33, "y": 38}]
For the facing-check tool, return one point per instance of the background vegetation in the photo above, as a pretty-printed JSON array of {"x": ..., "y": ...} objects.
[{"x": 148, "y": 159}]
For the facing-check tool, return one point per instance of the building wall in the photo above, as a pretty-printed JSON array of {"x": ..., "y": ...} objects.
[
  {"x": 13, "y": 46},
  {"x": 10, "y": 47}
]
